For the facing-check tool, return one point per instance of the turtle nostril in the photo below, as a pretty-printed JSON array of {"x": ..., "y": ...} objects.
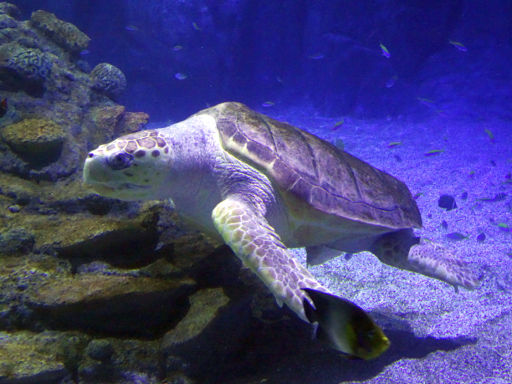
[{"x": 90, "y": 154}]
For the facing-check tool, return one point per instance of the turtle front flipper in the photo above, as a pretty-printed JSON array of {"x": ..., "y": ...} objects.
[
  {"x": 402, "y": 250},
  {"x": 261, "y": 250}
]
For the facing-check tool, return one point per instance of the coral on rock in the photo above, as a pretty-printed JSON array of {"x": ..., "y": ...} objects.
[
  {"x": 43, "y": 76},
  {"x": 108, "y": 79},
  {"x": 27, "y": 63},
  {"x": 65, "y": 34}
]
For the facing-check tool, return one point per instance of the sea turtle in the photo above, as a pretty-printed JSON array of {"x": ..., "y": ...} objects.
[{"x": 263, "y": 186}]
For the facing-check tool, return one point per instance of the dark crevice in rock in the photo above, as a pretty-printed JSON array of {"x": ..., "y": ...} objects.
[
  {"x": 125, "y": 248},
  {"x": 131, "y": 315}
]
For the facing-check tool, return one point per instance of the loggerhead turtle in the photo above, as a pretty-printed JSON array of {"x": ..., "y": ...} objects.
[{"x": 263, "y": 186}]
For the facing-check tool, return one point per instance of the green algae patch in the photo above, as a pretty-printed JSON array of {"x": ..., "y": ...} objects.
[
  {"x": 37, "y": 141},
  {"x": 29, "y": 357}
]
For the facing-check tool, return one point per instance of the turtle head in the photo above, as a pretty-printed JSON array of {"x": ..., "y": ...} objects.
[{"x": 132, "y": 167}]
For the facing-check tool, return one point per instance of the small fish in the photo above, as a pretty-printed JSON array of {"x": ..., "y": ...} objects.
[
  {"x": 481, "y": 237},
  {"x": 131, "y": 28},
  {"x": 267, "y": 104},
  {"x": 444, "y": 224},
  {"x": 490, "y": 134},
  {"x": 458, "y": 45},
  {"x": 337, "y": 125},
  {"x": 425, "y": 101},
  {"x": 497, "y": 197},
  {"x": 195, "y": 26},
  {"x": 316, "y": 56},
  {"x": 344, "y": 326},
  {"x": 180, "y": 76},
  {"x": 456, "y": 236},
  {"x": 434, "y": 152},
  {"x": 3, "y": 107},
  {"x": 503, "y": 226},
  {"x": 279, "y": 79},
  {"x": 417, "y": 195},
  {"x": 84, "y": 52},
  {"x": 384, "y": 51},
  {"x": 394, "y": 144},
  {"x": 177, "y": 48}
]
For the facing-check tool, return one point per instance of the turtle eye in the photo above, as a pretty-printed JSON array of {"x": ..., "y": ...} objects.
[{"x": 120, "y": 161}]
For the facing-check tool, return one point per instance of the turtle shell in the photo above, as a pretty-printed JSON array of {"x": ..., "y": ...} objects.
[{"x": 315, "y": 171}]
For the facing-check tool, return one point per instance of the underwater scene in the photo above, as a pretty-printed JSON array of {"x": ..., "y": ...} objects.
[{"x": 256, "y": 192}]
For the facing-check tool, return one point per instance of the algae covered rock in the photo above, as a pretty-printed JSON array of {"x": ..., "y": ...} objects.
[
  {"x": 105, "y": 119},
  {"x": 64, "y": 34},
  {"x": 10, "y": 9},
  {"x": 132, "y": 122},
  {"x": 16, "y": 240},
  {"x": 26, "y": 357},
  {"x": 113, "y": 305},
  {"x": 108, "y": 79},
  {"x": 35, "y": 140},
  {"x": 7, "y": 21}
]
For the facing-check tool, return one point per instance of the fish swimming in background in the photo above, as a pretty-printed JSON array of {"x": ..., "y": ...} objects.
[
  {"x": 316, "y": 56},
  {"x": 196, "y": 26},
  {"x": 337, "y": 125},
  {"x": 180, "y": 76},
  {"x": 131, "y": 28},
  {"x": 384, "y": 51},
  {"x": 490, "y": 134},
  {"x": 394, "y": 144},
  {"x": 426, "y": 102},
  {"x": 456, "y": 236},
  {"x": 267, "y": 104},
  {"x": 458, "y": 45},
  {"x": 177, "y": 48},
  {"x": 434, "y": 152},
  {"x": 3, "y": 107}
]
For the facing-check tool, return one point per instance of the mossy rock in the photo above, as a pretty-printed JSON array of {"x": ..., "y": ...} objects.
[
  {"x": 37, "y": 141},
  {"x": 65, "y": 34},
  {"x": 26, "y": 357}
]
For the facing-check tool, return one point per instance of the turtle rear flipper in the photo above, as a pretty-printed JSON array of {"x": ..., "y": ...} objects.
[
  {"x": 344, "y": 326},
  {"x": 402, "y": 250}
]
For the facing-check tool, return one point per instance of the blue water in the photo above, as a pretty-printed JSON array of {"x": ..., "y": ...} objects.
[{"x": 426, "y": 75}]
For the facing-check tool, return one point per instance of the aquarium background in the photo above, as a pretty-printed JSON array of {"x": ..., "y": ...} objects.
[
  {"x": 98, "y": 290},
  {"x": 321, "y": 54}
]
